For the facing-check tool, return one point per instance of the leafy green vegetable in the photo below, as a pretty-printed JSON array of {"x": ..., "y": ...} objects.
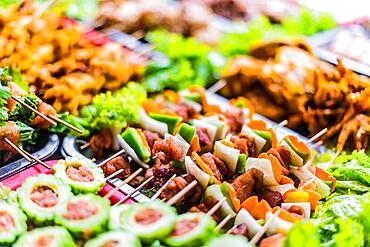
[
  {"x": 27, "y": 133},
  {"x": 261, "y": 29},
  {"x": 348, "y": 233},
  {"x": 21, "y": 113},
  {"x": 188, "y": 63},
  {"x": 78, "y": 122},
  {"x": 115, "y": 109},
  {"x": 303, "y": 234}
]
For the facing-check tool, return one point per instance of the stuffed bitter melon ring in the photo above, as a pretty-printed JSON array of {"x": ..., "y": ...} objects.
[
  {"x": 192, "y": 229},
  {"x": 40, "y": 197},
  {"x": 84, "y": 215},
  {"x": 12, "y": 223},
  {"x": 115, "y": 238},
  {"x": 52, "y": 236},
  {"x": 81, "y": 174},
  {"x": 149, "y": 220}
]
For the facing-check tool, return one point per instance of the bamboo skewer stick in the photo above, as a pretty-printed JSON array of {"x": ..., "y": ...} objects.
[
  {"x": 133, "y": 192},
  {"x": 34, "y": 111},
  {"x": 216, "y": 207},
  {"x": 216, "y": 87},
  {"x": 162, "y": 188},
  {"x": 317, "y": 144},
  {"x": 265, "y": 227},
  {"x": 223, "y": 222},
  {"x": 283, "y": 123},
  {"x": 317, "y": 136},
  {"x": 126, "y": 181},
  {"x": 19, "y": 150},
  {"x": 111, "y": 157},
  {"x": 114, "y": 174},
  {"x": 183, "y": 192},
  {"x": 84, "y": 146},
  {"x": 29, "y": 157},
  {"x": 37, "y": 159},
  {"x": 50, "y": 118},
  {"x": 56, "y": 119}
]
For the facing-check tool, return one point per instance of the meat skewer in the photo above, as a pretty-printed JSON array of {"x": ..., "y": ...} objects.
[
  {"x": 155, "y": 196},
  {"x": 114, "y": 174},
  {"x": 216, "y": 207},
  {"x": 126, "y": 181},
  {"x": 122, "y": 151},
  {"x": 183, "y": 192},
  {"x": 134, "y": 191},
  {"x": 34, "y": 111}
]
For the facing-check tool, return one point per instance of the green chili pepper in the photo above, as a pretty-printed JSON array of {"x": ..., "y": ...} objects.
[
  {"x": 171, "y": 121},
  {"x": 137, "y": 143}
]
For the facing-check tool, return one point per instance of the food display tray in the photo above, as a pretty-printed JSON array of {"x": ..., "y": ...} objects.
[
  {"x": 320, "y": 43},
  {"x": 47, "y": 145}
]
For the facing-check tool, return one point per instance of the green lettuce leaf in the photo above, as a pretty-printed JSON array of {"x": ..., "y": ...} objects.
[
  {"x": 303, "y": 234},
  {"x": 114, "y": 109},
  {"x": 188, "y": 63}
]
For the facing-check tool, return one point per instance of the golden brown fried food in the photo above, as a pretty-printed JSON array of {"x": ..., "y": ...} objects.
[
  {"x": 286, "y": 78},
  {"x": 61, "y": 65}
]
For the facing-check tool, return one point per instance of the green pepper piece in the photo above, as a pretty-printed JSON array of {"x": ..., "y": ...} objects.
[
  {"x": 157, "y": 228},
  {"x": 301, "y": 154},
  {"x": 171, "y": 121},
  {"x": 204, "y": 229},
  {"x": 133, "y": 139},
  {"x": 229, "y": 240},
  {"x": 19, "y": 223},
  {"x": 93, "y": 186},
  {"x": 242, "y": 161},
  {"x": 37, "y": 213},
  {"x": 121, "y": 238},
  {"x": 187, "y": 132},
  {"x": 91, "y": 225},
  {"x": 267, "y": 136},
  {"x": 55, "y": 235}
]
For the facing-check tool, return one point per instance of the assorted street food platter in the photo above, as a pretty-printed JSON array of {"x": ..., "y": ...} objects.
[{"x": 145, "y": 123}]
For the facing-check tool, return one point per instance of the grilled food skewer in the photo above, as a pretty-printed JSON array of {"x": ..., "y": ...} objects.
[
  {"x": 162, "y": 188},
  {"x": 183, "y": 192},
  {"x": 114, "y": 174},
  {"x": 34, "y": 110},
  {"x": 111, "y": 157}
]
